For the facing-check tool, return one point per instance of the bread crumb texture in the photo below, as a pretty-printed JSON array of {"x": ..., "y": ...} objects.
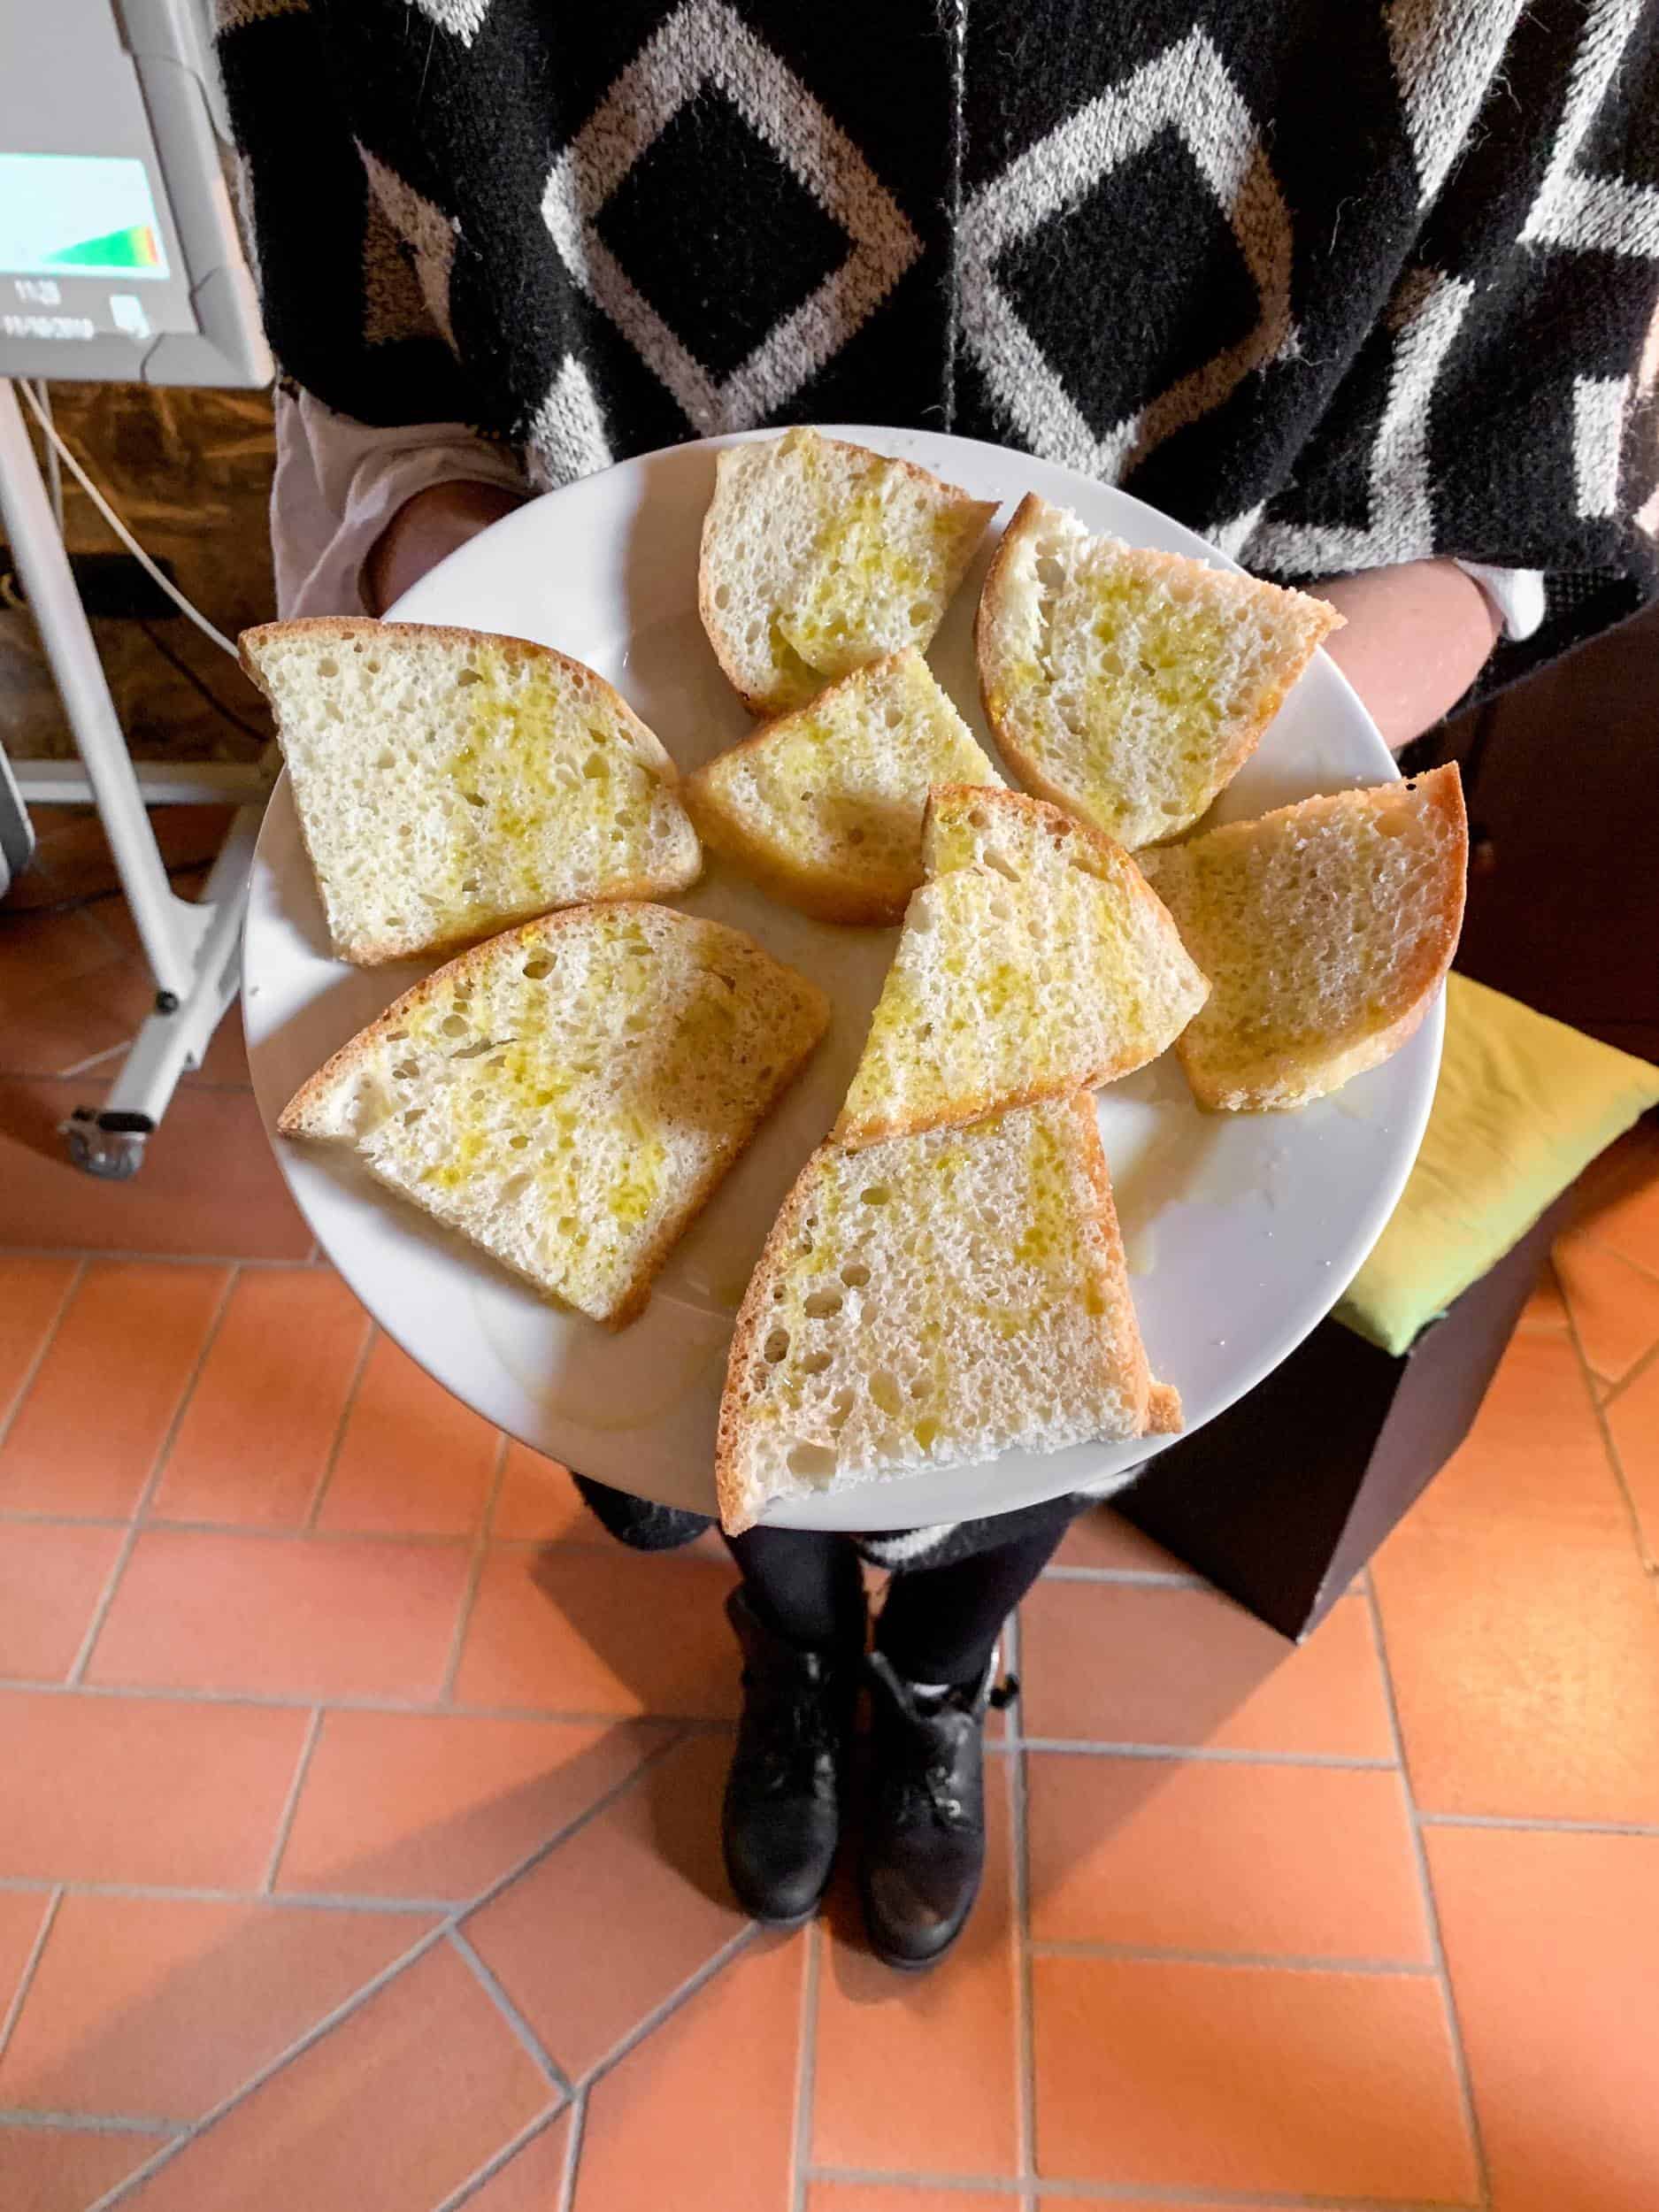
[
  {"x": 819, "y": 556},
  {"x": 1127, "y": 685},
  {"x": 569, "y": 1094},
  {"x": 1037, "y": 961},
  {"x": 824, "y": 806},
  {"x": 448, "y": 782},
  {"x": 933, "y": 1301}
]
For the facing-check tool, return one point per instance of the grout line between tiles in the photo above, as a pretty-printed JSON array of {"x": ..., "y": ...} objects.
[
  {"x": 573, "y": 2155},
  {"x": 525, "y": 2034},
  {"x": 291, "y": 1803},
  {"x": 1211, "y": 2200},
  {"x": 444, "y": 1908},
  {"x": 1603, "y": 1244},
  {"x": 260, "y": 1533},
  {"x": 1025, "y": 2059},
  {"x": 372, "y": 1988},
  {"x": 91, "y": 1065},
  {"x": 806, "y": 2070},
  {"x": 265, "y": 1532},
  {"x": 1150, "y": 1577},
  {"x": 348, "y": 1406},
  {"x": 85, "y": 2123},
  {"x": 77, "y": 1276},
  {"x": 28, "y": 1517},
  {"x": 257, "y": 2079},
  {"x": 120, "y": 1255},
  {"x": 1134, "y": 2192},
  {"x": 304, "y": 1700},
  {"x": 670, "y": 2005},
  {"x": 1218, "y": 1752},
  {"x": 100, "y": 1611},
  {"x": 485, "y": 2174},
  {"x": 601, "y": 1804},
  {"x": 1541, "y": 1825},
  {"x": 124, "y": 954},
  {"x": 1638, "y": 1535},
  {"x": 474, "y": 1573},
  {"x": 1431, "y": 1910},
  {"x": 881, "y": 2177},
  {"x": 14, "y": 2010},
  {"x": 216, "y": 1322},
  {"x": 1162, "y": 1954},
  {"x": 1650, "y": 1358},
  {"x": 295, "y": 1900}
]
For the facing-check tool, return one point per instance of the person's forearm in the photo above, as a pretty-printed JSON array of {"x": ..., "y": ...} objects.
[
  {"x": 1415, "y": 639},
  {"x": 426, "y": 529}
]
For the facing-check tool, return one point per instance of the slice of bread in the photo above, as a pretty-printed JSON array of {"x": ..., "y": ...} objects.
[
  {"x": 1127, "y": 685},
  {"x": 824, "y": 807},
  {"x": 448, "y": 782},
  {"x": 1036, "y": 962},
  {"x": 933, "y": 1301},
  {"x": 819, "y": 555},
  {"x": 1326, "y": 928},
  {"x": 569, "y": 1094}
]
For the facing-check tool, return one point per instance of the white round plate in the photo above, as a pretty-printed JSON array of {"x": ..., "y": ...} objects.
[{"x": 1241, "y": 1229}]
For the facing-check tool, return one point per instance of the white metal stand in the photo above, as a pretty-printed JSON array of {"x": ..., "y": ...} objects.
[{"x": 191, "y": 946}]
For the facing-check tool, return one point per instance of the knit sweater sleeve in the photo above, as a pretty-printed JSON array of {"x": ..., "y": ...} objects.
[
  {"x": 1503, "y": 408},
  {"x": 352, "y": 263}
]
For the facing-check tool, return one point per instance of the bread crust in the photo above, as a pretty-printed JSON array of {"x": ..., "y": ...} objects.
[
  {"x": 809, "y": 894},
  {"x": 858, "y": 1136},
  {"x": 342, "y": 629},
  {"x": 356, "y": 1052},
  {"x": 1120, "y": 1330},
  {"x": 826, "y": 896},
  {"x": 1157, "y": 1406},
  {"x": 1296, "y": 1080},
  {"x": 1065, "y": 830},
  {"x": 739, "y": 1508},
  {"x": 1118, "y": 869},
  {"x": 708, "y": 613},
  {"x": 1240, "y": 735}
]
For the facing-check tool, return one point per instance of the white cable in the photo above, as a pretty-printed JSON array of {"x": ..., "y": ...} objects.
[
  {"x": 121, "y": 530},
  {"x": 54, "y": 472}
]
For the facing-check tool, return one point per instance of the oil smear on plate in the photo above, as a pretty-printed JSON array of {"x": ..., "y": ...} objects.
[
  {"x": 609, "y": 1383},
  {"x": 1162, "y": 1152}
]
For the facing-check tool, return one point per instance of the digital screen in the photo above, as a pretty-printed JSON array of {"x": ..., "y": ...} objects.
[{"x": 78, "y": 215}]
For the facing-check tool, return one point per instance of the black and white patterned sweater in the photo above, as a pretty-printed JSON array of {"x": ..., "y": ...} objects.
[
  {"x": 1337, "y": 282},
  {"x": 1340, "y": 283}
]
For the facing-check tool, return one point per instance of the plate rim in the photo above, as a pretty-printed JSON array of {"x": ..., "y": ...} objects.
[{"x": 1428, "y": 1037}]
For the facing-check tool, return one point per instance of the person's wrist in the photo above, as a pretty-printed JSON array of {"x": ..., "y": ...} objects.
[
  {"x": 426, "y": 530},
  {"x": 1416, "y": 636}
]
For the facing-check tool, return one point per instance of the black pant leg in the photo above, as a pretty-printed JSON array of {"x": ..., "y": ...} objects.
[
  {"x": 941, "y": 1623},
  {"x": 803, "y": 1582}
]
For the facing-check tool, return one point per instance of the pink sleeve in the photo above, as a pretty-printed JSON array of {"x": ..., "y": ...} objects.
[{"x": 338, "y": 483}]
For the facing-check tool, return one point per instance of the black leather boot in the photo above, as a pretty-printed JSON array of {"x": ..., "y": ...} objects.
[
  {"x": 781, "y": 1818},
  {"x": 925, "y": 1830}
]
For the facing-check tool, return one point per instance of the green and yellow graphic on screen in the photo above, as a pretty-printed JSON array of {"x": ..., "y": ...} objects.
[{"x": 78, "y": 215}]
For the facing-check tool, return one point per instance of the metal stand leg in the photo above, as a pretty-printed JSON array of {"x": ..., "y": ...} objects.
[
  {"x": 190, "y": 946},
  {"x": 17, "y": 832}
]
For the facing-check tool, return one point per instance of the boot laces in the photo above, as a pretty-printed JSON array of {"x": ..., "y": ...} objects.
[
  {"x": 928, "y": 1790},
  {"x": 792, "y": 1731}
]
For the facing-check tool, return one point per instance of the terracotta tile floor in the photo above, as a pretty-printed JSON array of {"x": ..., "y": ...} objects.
[{"x": 357, "y": 1801}]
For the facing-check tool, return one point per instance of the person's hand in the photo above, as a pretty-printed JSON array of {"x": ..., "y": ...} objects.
[
  {"x": 426, "y": 529},
  {"x": 1416, "y": 638}
]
